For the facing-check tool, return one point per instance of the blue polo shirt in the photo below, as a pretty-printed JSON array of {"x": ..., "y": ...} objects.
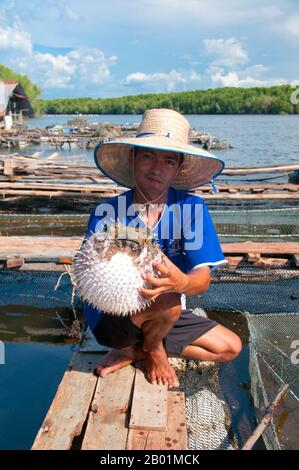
[{"x": 185, "y": 232}]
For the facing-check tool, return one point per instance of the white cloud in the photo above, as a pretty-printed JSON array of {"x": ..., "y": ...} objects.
[
  {"x": 162, "y": 81},
  {"x": 226, "y": 52},
  {"x": 77, "y": 68},
  {"x": 15, "y": 38},
  {"x": 232, "y": 79},
  {"x": 71, "y": 14},
  {"x": 291, "y": 27}
]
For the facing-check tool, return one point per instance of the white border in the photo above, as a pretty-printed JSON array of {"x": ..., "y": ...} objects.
[{"x": 210, "y": 263}]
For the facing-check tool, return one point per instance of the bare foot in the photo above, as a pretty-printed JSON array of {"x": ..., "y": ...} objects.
[
  {"x": 117, "y": 359},
  {"x": 159, "y": 371}
]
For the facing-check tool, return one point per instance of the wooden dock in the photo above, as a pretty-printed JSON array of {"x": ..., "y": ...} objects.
[
  {"x": 121, "y": 411},
  {"x": 53, "y": 253}
]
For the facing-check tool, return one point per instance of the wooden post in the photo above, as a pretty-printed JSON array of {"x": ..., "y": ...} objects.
[{"x": 8, "y": 167}]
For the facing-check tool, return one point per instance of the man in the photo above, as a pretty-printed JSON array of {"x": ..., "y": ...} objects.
[{"x": 159, "y": 164}]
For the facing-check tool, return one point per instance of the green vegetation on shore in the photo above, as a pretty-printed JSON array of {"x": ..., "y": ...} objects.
[
  {"x": 259, "y": 100},
  {"x": 32, "y": 91}
]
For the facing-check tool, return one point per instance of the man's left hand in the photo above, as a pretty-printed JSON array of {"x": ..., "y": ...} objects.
[{"x": 171, "y": 279}]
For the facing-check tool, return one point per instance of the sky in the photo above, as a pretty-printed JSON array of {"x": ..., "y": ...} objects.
[{"x": 97, "y": 48}]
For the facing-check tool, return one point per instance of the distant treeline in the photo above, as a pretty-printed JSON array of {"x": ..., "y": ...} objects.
[{"x": 259, "y": 100}]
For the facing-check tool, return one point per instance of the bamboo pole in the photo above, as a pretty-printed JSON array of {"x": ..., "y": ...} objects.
[{"x": 267, "y": 418}]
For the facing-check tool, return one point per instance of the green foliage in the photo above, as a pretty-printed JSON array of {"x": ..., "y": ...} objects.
[
  {"x": 259, "y": 100},
  {"x": 31, "y": 90}
]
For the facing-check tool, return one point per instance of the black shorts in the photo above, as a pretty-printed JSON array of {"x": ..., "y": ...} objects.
[{"x": 119, "y": 332}]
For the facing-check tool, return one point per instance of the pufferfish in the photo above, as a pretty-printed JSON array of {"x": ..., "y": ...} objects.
[{"x": 107, "y": 270}]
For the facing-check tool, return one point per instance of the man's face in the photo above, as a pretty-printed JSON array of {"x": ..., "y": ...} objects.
[{"x": 155, "y": 170}]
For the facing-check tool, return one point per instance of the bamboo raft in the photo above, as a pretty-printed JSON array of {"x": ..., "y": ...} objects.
[{"x": 73, "y": 177}]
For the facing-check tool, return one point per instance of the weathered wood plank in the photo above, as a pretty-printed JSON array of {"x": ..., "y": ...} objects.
[
  {"x": 175, "y": 435},
  {"x": 38, "y": 247},
  {"x": 8, "y": 167},
  {"x": 248, "y": 170},
  {"x": 64, "y": 247},
  {"x": 264, "y": 247},
  {"x": 14, "y": 262},
  {"x": 149, "y": 405},
  {"x": 103, "y": 191},
  {"x": 106, "y": 427},
  {"x": 42, "y": 267},
  {"x": 253, "y": 257},
  {"x": 69, "y": 409}
]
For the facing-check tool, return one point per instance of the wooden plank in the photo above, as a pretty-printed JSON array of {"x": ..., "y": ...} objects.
[
  {"x": 14, "y": 262},
  {"x": 265, "y": 262},
  {"x": 106, "y": 427},
  {"x": 262, "y": 248},
  {"x": 8, "y": 167},
  {"x": 175, "y": 435},
  {"x": 149, "y": 405},
  {"x": 107, "y": 192},
  {"x": 249, "y": 170},
  {"x": 69, "y": 409},
  {"x": 253, "y": 257},
  {"x": 38, "y": 247},
  {"x": 45, "y": 267}
]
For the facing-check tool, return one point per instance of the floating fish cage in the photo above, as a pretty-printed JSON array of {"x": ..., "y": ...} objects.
[
  {"x": 272, "y": 224},
  {"x": 268, "y": 301}
]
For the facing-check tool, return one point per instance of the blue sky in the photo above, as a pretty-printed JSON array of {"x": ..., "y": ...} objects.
[{"x": 122, "y": 47}]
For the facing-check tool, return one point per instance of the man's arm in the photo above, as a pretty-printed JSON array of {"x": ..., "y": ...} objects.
[{"x": 198, "y": 281}]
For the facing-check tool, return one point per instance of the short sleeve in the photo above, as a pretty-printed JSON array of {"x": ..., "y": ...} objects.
[
  {"x": 207, "y": 249},
  {"x": 91, "y": 224}
]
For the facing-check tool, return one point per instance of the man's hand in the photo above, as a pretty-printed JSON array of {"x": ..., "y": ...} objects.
[{"x": 171, "y": 279}]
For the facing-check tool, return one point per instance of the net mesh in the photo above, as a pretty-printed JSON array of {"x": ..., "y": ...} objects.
[
  {"x": 269, "y": 300},
  {"x": 257, "y": 224},
  {"x": 41, "y": 304}
]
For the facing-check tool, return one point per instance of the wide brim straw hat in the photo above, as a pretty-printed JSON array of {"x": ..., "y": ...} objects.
[{"x": 160, "y": 129}]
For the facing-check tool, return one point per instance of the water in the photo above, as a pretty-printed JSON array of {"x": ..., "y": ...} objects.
[
  {"x": 28, "y": 383},
  {"x": 257, "y": 139},
  {"x": 37, "y": 351}
]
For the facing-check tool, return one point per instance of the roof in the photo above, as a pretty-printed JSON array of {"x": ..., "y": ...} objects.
[{"x": 13, "y": 98}]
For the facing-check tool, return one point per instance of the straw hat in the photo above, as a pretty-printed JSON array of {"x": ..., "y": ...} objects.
[{"x": 160, "y": 129}]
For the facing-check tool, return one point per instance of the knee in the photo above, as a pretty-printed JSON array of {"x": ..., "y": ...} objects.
[
  {"x": 234, "y": 347},
  {"x": 169, "y": 307},
  {"x": 172, "y": 314}
]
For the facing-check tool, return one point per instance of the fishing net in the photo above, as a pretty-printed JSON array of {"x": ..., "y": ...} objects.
[
  {"x": 272, "y": 224},
  {"x": 269, "y": 300},
  {"x": 257, "y": 224},
  {"x": 38, "y": 305}
]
